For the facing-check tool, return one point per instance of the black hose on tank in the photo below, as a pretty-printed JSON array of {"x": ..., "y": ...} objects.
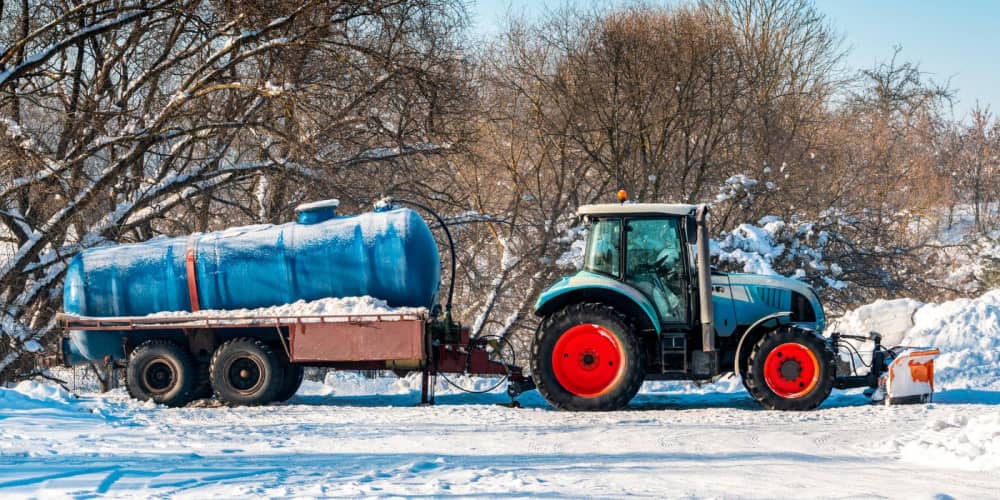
[{"x": 451, "y": 246}]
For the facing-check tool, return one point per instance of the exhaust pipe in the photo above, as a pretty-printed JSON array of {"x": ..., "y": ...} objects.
[{"x": 705, "y": 281}]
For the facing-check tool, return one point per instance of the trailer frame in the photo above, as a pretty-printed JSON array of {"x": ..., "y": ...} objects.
[{"x": 399, "y": 342}]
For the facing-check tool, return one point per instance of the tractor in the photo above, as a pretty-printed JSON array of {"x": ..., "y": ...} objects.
[{"x": 647, "y": 305}]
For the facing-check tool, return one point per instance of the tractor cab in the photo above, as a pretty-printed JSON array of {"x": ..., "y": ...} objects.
[{"x": 646, "y": 247}]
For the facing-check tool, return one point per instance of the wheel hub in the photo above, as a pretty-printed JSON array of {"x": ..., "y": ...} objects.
[
  {"x": 791, "y": 370},
  {"x": 587, "y": 360},
  {"x": 244, "y": 375},
  {"x": 158, "y": 376}
]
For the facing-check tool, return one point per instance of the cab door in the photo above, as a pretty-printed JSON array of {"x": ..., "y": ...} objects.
[{"x": 656, "y": 265}]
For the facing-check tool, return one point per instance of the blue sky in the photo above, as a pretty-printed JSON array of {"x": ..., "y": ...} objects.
[{"x": 957, "y": 40}]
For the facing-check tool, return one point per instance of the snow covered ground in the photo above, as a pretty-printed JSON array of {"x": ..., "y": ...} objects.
[{"x": 350, "y": 436}]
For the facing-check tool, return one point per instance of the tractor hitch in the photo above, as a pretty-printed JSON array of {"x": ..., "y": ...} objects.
[
  {"x": 519, "y": 386},
  {"x": 877, "y": 365}
]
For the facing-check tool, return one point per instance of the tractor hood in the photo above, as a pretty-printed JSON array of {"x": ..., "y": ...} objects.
[{"x": 756, "y": 295}]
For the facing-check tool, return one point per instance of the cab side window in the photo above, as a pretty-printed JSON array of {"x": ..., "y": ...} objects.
[{"x": 604, "y": 247}]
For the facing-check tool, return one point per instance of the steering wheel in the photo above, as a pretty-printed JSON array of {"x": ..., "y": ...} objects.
[{"x": 663, "y": 259}]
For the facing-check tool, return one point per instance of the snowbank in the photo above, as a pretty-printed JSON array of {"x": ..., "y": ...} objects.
[
  {"x": 891, "y": 318},
  {"x": 955, "y": 441},
  {"x": 966, "y": 330},
  {"x": 968, "y": 333},
  {"x": 322, "y": 307},
  {"x": 29, "y": 395}
]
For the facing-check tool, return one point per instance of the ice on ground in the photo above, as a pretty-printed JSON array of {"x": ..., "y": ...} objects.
[
  {"x": 340, "y": 306},
  {"x": 967, "y": 331},
  {"x": 959, "y": 441},
  {"x": 351, "y": 436},
  {"x": 343, "y": 383}
]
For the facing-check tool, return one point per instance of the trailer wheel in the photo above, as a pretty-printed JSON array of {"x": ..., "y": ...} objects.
[
  {"x": 246, "y": 372},
  {"x": 587, "y": 357},
  {"x": 790, "y": 369},
  {"x": 161, "y": 371},
  {"x": 291, "y": 383}
]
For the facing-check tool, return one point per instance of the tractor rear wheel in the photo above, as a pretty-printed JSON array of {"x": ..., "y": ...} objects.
[
  {"x": 790, "y": 369},
  {"x": 246, "y": 372},
  {"x": 587, "y": 357},
  {"x": 161, "y": 371}
]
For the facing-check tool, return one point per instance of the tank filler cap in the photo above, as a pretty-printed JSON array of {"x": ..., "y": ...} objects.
[{"x": 317, "y": 211}]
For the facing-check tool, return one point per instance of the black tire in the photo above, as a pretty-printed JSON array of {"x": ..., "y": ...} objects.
[
  {"x": 292, "y": 381},
  {"x": 790, "y": 372},
  {"x": 627, "y": 379},
  {"x": 160, "y": 371},
  {"x": 246, "y": 372}
]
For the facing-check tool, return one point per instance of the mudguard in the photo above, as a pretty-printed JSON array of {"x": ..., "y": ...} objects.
[
  {"x": 586, "y": 280},
  {"x": 781, "y": 318}
]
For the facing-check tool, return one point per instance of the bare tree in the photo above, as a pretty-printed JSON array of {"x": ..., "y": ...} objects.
[{"x": 124, "y": 120}]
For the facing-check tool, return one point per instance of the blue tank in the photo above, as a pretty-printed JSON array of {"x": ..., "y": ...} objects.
[{"x": 390, "y": 255}]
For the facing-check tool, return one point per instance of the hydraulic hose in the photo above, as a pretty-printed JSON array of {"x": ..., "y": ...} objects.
[{"x": 451, "y": 246}]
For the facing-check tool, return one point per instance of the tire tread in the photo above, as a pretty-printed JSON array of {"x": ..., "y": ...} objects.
[
  {"x": 559, "y": 398},
  {"x": 768, "y": 399}
]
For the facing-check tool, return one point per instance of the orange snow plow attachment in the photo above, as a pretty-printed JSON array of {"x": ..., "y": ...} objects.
[
  {"x": 901, "y": 375},
  {"x": 909, "y": 378}
]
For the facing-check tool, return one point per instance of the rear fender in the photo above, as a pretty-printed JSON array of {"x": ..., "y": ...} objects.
[{"x": 590, "y": 287}]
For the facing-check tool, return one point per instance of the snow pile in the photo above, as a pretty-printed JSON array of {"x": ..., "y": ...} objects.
[
  {"x": 29, "y": 395},
  {"x": 890, "y": 318},
  {"x": 967, "y": 331},
  {"x": 955, "y": 441},
  {"x": 322, "y": 307}
]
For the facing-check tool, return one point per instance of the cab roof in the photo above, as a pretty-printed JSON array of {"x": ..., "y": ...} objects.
[{"x": 636, "y": 208}]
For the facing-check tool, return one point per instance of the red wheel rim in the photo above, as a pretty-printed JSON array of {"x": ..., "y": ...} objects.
[
  {"x": 791, "y": 370},
  {"x": 588, "y": 360}
]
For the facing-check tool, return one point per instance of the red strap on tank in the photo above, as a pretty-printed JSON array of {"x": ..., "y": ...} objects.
[{"x": 191, "y": 260}]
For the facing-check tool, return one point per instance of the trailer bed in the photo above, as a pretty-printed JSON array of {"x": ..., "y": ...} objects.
[
  {"x": 310, "y": 338},
  {"x": 400, "y": 342}
]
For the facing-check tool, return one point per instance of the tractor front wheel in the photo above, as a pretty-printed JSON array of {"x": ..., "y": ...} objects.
[
  {"x": 790, "y": 369},
  {"x": 587, "y": 357}
]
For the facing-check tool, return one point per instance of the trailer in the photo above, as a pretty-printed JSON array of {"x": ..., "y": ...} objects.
[{"x": 254, "y": 360}]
